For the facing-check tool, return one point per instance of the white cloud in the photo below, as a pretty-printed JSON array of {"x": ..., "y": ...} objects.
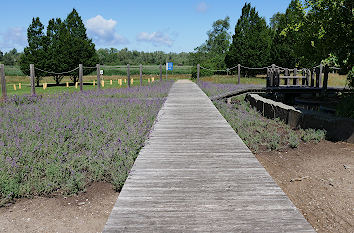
[
  {"x": 103, "y": 31},
  {"x": 202, "y": 7},
  {"x": 14, "y": 37},
  {"x": 156, "y": 38}
]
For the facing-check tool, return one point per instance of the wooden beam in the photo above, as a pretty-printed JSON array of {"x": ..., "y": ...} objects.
[
  {"x": 3, "y": 81},
  {"x": 80, "y": 76},
  {"x": 33, "y": 79}
]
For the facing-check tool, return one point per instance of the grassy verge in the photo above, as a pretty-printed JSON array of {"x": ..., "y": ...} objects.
[
  {"x": 88, "y": 83},
  {"x": 60, "y": 143},
  {"x": 258, "y": 132}
]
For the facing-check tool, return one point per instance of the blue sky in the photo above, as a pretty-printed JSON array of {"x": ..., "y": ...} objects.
[{"x": 170, "y": 26}]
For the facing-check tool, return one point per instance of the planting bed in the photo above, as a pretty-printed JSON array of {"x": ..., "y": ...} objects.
[{"x": 59, "y": 144}]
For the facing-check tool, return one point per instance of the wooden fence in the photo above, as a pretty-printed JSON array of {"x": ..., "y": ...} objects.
[
  {"x": 80, "y": 69},
  {"x": 315, "y": 77}
]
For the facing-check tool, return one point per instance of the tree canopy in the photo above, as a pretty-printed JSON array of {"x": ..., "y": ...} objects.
[
  {"x": 251, "y": 42},
  {"x": 212, "y": 52},
  {"x": 63, "y": 47}
]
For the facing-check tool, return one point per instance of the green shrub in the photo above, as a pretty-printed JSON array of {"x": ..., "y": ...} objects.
[
  {"x": 294, "y": 140},
  {"x": 313, "y": 135}
]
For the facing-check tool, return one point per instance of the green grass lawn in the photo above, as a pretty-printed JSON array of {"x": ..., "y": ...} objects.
[{"x": 88, "y": 83}]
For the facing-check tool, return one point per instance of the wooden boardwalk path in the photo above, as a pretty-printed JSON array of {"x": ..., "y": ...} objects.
[{"x": 196, "y": 175}]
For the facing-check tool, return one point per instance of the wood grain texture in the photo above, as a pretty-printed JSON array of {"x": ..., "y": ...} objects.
[{"x": 196, "y": 175}]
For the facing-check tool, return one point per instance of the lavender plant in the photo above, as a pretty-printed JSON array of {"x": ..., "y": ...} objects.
[
  {"x": 63, "y": 142},
  {"x": 257, "y": 132}
]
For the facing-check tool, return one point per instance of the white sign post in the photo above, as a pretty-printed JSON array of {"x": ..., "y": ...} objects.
[{"x": 169, "y": 66}]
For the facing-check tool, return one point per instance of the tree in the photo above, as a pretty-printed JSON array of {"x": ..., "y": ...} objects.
[
  {"x": 212, "y": 52},
  {"x": 330, "y": 30},
  {"x": 251, "y": 42},
  {"x": 35, "y": 52},
  {"x": 61, "y": 49},
  {"x": 80, "y": 48},
  {"x": 1, "y": 55},
  {"x": 283, "y": 51},
  {"x": 11, "y": 58},
  {"x": 57, "y": 39}
]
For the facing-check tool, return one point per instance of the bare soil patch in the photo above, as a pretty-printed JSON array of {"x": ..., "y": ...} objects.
[
  {"x": 319, "y": 180},
  {"x": 85, "y": 212}
]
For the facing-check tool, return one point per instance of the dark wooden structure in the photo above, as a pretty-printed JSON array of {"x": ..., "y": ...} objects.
[{"x": 308, "y": 78}]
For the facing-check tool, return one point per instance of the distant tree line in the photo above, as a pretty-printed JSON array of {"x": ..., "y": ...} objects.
[
  {"x": 114, "y": 56},
  {"x": 307, "y": 33},
  {"x": 10, "y": 58}
]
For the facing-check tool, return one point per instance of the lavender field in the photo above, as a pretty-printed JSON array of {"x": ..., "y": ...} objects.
[{"x": 62, "y": 143}]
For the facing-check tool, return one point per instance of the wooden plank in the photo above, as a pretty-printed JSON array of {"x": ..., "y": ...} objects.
[
  {"x": 128, "y": 74},
  {"x": 238, "y": 73},
  {"x": 325, "y": 77},
  {"x": 320, "y": 76},
  {"x": 141, "y": 74},
  {"x": 286, "y": 75},
  {"x": 195, "y": 174},
  {"x": 295, "y": 80},
  {"x": 3, "y": 81},
  {"x": 98, "y": 70},
  {"x": 33, "y": 80},
  {"x": 80, "y": 76}
]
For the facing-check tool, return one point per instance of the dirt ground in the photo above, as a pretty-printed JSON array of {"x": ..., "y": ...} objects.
[
  {"x": 319, "y": 180},
  {"x": 86, "y": 212}
]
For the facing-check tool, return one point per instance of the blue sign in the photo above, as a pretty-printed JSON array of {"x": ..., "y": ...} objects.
[{"x": 169, "y": 66}]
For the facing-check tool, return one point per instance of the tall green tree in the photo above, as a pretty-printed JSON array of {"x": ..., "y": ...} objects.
[
  {"x": 57, "y": 40},
  {"x": 330, "y": 30},
  {"x": 251, "y": 42},
  {"x": 284, "y": 38},
  {"x": 64, "y": 46},
  {"x": 36, "y": 51},
  {"x": 80, "y": 47},
  {"x": 212, "y": 52}
]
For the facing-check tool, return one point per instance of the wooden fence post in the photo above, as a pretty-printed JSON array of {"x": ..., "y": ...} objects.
[
  {"x": 320, "y": 76},
  {"x": 312, "y": 77},
  {"x": 308, "y": 74},
  {"x": 80, "y": 76},
  {"x": 160, "y": 72},
  {"x": 303, "y": 80},
  {"x": 33, "y": 80},
  {"x": 98, "y": 76},
  {"x": 325, "y": 77},
  {"x": 268, "y": 78},
  {"x": 295, "y": 80},
  {"x": 286, "y": 73},
  {"x": 272, "y": 76},
  {"x": 198, "y": 72},
  {"x": 239, "y": 74},
  {"x": 141, "y": 74},
  {"x": 3, "y": 81},
  {"x": 128, "y": 74},
  {"x": 277, "y": 77},
  {"x": 317, "y": 70}
]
